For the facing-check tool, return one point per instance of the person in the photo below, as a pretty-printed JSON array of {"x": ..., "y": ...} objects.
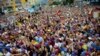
[
  {"x": 59, "y": 32},
  {"x": 96, "y": 45},
  {"x": 80, "y": 50},
  {"x": 24, "y": 53},
  {"x": 39, "y": 39},
  {"x": 6, "y": 52}
]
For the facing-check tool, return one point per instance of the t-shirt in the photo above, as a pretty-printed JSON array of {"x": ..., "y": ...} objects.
[
  {"x": 19, "y": 24},
  {"x": 39, "y": 39},
  {"x": 95, "y": 46},
  {"x": 83, "y": 53},
  {"x": 8, "y": 54},
  {"x": 68, "y": 54},
  {"x": 89, "y": 44},
  {"x": 84, "y": 47},
  {"x": 34, "y": 42},
  {"x": 80, "y": 51},
  {"x": 1, "y": 44}
]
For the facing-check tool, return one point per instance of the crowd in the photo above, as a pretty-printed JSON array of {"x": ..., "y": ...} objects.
[{"x": 58, "y": 31}]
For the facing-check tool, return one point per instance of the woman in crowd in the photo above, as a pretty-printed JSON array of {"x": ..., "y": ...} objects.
[{"x": 64, "y": 32}]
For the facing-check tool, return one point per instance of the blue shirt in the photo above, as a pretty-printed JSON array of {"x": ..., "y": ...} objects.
[
  {"x": 83, "y": 53},
  {"x": 39, "y": 39},
  {"x": 95, "y": 46}
]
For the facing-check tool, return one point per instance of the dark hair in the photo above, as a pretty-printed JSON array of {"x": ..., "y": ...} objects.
[{"x": 5, "y": 49}]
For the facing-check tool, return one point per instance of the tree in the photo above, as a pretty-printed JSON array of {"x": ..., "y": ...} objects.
[
  {"x": 65, "y": 2},
  {"x": 55, "y": 2}
]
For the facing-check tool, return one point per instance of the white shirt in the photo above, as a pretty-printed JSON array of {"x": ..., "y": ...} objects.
[
  {"x": 89, "y": 44},
  {"x": 8, "y": 54},
  {"x": 8, "y": 45},
  {"x": 58, "y": 44},
  {"x": 67, "y": 54}
]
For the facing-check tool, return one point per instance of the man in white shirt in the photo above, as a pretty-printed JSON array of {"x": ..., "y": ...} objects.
[{"x": 6, "y": 53}]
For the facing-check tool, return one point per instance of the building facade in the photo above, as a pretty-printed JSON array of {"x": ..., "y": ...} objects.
[
  {"x": 7, "y": 6},
  {"x": 12, "y": 5}
]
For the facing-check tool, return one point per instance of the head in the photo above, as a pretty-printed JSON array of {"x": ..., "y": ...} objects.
[
  {"x": 98, "y": 42},
  {"x": 5, "y": 50}
]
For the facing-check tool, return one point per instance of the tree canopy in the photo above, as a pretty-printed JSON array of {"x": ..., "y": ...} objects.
[{"x": 62, "y": 2}]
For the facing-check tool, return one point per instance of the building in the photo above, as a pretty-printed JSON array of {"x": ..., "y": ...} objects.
[
  {"x": 8, "y": 6},
  {"x": 37, "y": 2},
  {"x": 12, "y": 5}
]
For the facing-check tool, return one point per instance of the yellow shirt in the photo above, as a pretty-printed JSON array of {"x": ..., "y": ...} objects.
[
  {"x": 19, "y": 24},
  {"x": 84, "y": 47},
  {"x": 34, "y": 42},
  {"x": 59, "y": 54}
]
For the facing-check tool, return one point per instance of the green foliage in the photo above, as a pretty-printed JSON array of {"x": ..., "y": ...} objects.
[
  {"x": 85, "y": 0},
  {"x": 65, "y": 2},
  {"x": 70, "y": 1},
  {"x": 9, "y": 9},
  {"x": 56, "y": 3},
  {"x": 0, "y": 10}
]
